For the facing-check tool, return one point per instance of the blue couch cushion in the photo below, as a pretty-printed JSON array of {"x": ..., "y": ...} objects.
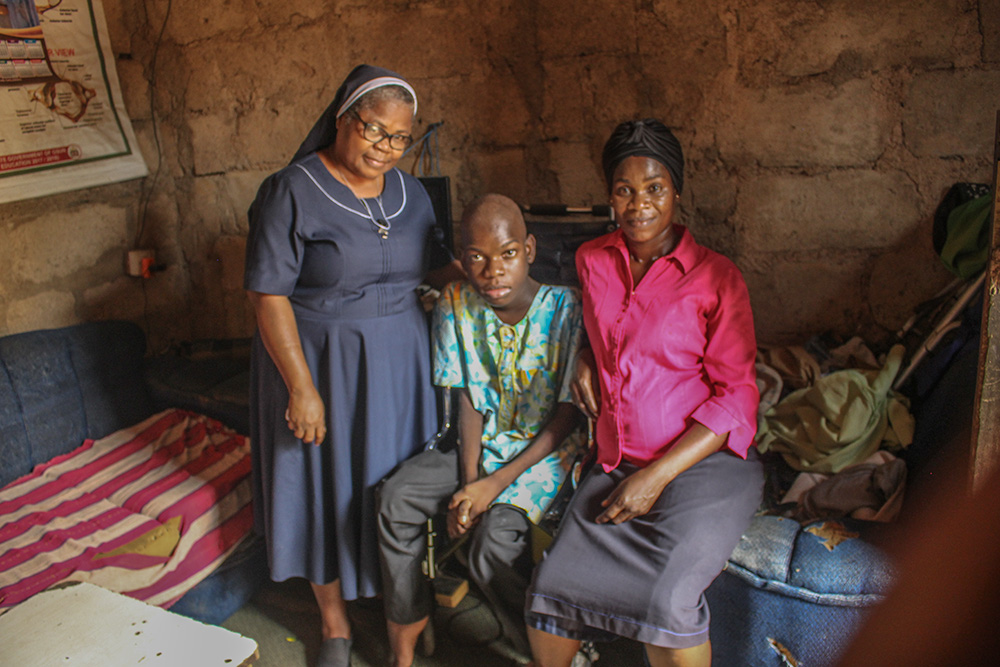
[
  {"x": 826, "y": 562},
  {"x": 785, "y": 592},
  {"x": 15, "y": 450},
  {"x": 44, "y": 384},
  {"x": 59, "y": 387},
  {"x": 110, "y": 375},
  {"x": 754, "y": 626}
]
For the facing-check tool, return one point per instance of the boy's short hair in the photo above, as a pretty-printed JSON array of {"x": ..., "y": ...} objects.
[{"x": 490, "y": 201}]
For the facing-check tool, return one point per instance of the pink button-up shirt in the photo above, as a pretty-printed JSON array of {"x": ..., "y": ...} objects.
[{"x": 677, "y": 348}]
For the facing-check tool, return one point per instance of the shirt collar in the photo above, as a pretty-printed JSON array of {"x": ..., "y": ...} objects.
[
  {"x": 685, "y": 253},
  {"x": 492, "y": 323}
]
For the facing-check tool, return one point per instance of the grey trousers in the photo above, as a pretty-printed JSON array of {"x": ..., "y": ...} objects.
[{"x": 500, "y": 561}]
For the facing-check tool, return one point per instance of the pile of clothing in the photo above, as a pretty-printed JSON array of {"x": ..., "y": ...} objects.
[
  {"x": 831, "y": 415},
  {"x": 839, "y": 429}
]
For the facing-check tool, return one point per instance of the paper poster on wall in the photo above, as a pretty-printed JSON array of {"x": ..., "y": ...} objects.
[{"x": 63, "y": 124}]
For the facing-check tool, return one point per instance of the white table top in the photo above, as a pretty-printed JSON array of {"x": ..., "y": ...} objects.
[{"x": 85, "y": 625}]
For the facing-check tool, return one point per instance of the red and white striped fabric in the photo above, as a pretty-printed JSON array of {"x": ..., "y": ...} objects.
[{"x": 62, "y": 521}]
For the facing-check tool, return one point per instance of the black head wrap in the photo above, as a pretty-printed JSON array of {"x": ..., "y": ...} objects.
[
  {"x": 645, "y": 138},
  {"x": 361, "y": 80}
]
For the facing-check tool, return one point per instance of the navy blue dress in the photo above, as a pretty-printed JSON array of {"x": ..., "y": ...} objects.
[{"x": 365, "y": 339}]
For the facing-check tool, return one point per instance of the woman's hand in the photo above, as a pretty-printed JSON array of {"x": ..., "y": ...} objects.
[
  {"x": 469, "y": 503},
  {"x": 585, "y": 386},
  {"x": 306, "y": 415},
  {"x": 633, "y": 497}
]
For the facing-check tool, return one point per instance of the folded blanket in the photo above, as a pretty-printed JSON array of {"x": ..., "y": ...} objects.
[{"x": 148, "y": 511}]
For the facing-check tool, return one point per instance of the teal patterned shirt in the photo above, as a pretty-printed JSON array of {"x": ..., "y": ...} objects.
[{"x": 515, "y": 376}]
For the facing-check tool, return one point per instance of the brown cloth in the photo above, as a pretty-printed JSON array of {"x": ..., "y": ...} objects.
[
  {"x": 796, "y": 367},
  {"x": 869, "y": 491}
]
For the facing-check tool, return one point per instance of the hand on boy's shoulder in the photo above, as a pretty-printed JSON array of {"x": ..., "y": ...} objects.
[
  {"x": 569, "y": 294},
  {"x": 452, "y": 290},
  {"x": 449, "y": 299}
]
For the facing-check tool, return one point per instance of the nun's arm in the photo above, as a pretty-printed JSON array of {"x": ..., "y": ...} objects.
[
  {"x": 306, "y": 414},
  {"x": 450, "y": 272}
]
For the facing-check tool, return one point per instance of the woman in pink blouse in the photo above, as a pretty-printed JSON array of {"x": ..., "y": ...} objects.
[{"x": 669, "y": 379}]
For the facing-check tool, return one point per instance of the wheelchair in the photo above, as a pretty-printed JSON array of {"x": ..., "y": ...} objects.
[{"x": 559, "y": 230}]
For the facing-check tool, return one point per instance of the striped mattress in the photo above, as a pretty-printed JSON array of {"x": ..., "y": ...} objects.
[{"x": 148, "y": 511}]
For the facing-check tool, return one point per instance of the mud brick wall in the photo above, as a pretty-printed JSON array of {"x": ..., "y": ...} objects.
[{"x": 820, "y": 136}]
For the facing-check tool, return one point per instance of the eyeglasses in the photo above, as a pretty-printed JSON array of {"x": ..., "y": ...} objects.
[{"x": 373, "y": 133}]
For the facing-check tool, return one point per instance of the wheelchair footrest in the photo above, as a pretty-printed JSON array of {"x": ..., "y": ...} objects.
[{"x": 449, "y": 591}]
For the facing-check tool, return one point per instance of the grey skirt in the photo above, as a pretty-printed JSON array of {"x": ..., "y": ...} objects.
[{"x": 645, "y": 579}]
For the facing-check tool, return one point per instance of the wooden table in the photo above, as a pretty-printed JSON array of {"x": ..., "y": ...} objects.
[{"x": 81, "y": 624}]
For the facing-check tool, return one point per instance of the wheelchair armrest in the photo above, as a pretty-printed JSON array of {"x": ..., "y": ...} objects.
[{"x": 444, "y": 394}]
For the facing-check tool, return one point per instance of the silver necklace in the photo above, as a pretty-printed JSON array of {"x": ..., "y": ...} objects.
[{"x": 382, "y": 225}]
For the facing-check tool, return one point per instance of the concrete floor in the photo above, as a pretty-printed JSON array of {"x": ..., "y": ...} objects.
[{"x": 284, "y": 621}]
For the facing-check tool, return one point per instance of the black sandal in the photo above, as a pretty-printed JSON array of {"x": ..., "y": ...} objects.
[{"x": 335, "y": 652}]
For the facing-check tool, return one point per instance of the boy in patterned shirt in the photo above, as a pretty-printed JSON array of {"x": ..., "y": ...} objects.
[{"x": 508, "y": 345}]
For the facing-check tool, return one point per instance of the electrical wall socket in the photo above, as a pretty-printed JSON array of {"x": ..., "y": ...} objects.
[{"x": 135, "y": 262}]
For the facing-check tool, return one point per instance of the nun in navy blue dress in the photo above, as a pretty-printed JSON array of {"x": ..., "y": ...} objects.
[{"x": 339, "y": 269}]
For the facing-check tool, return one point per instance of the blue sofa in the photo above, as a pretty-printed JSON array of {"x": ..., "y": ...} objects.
[
  {"x": 59, "y": 387},
  {"x": 785, "y": 598},
  {"x": 784, "y": 594}
]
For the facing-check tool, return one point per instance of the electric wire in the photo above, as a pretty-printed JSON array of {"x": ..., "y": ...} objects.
[
  {"x": 148, "y": 194},
  {"x": 427, "y": 157},
  {"x": 148, "y": 190}
]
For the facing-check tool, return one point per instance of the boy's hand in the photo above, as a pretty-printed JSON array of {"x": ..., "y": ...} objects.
[
  {"x": 585, "y": 386},
  {"x": 458, "y": 519},
  {"x": 469, "y": 503}
]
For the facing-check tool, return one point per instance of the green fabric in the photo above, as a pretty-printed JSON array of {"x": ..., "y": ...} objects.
[
  {"x": 844, "y": 418},
  {"x": 966, "y": 247}
]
